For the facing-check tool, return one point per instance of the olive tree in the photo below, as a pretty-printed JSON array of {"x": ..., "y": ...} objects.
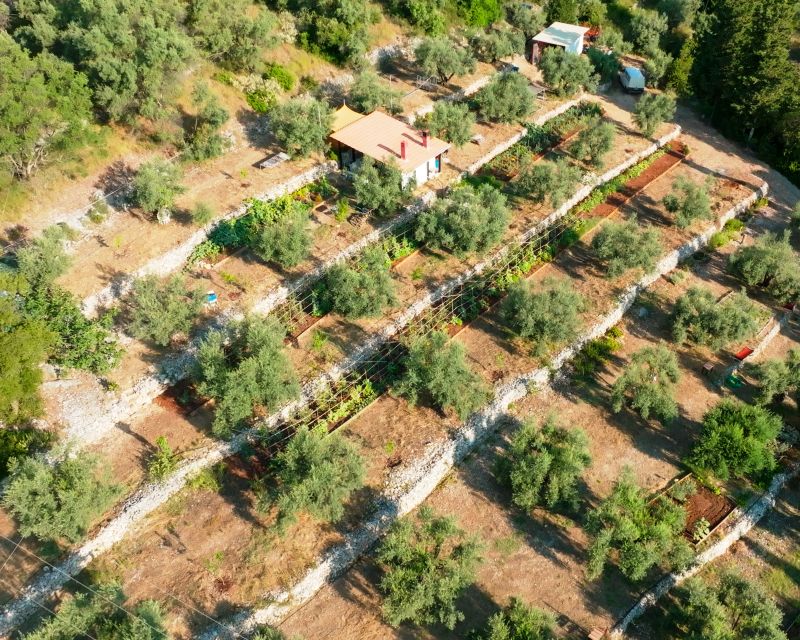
[
  {"x": 494, "y": 44},
  {"x": 156, "y": 185},
  {"x": 301, "y": 125},
  {"x": 697, "y": 316},
  {"x": 688, "y": 201},
  {"x": 770, "y": 261},
  {"x": 361, "y": 290},
  {"x": 451, "y": 121},
  {"x": 252, "y": 371},
  {"x": 41, "y": 261},
  {"x": 102, "y": 613},
  {"x": 565, "y": 73},
  {"x": 606, "y": 63},
  {"x": 316, "y": 474},
  {"x": 646, "y": 29},
  {"x": 519, "y": 621},
  {"x": 442, "y": 58},
  {"x": 623, "y": 246},
  {"x": 733, "y": 607},
  {"x": 203, "y": 139},
  {"x": 777, "y": 377},
  {"x": 594, "y": 141},
  {"x": 737, "y": 439},
  {"x": 470, "y": 219},
  {"x": 159, "y": 310},
  {"x": 286, "y": 240},
  {"x": 655, "y": 66},
  {"x": 647, "y": 384},
  {"x": 437, "y": 369},
  {"x": 526, "y": 18},
  {"x": 369, "y": 92},
  {"x": 643, "y": 534},
  {"x": 507, "y": 98},
  {"x": 547, "y": 315},
  {"x": 543, "y": 465},
  {"x": 542, "y": 180},
  {"x": 426, "y": 564},
  {"x": 59, "y": 500},
  {"x": 379, "y": 187},
  {"x": 651, "y": 110}
]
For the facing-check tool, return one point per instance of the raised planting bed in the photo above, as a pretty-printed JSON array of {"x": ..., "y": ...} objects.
[{"x": 706, "y": 510}]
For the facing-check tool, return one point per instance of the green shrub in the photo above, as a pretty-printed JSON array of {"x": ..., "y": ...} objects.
[
  {"x": 316, "y": 474},
  {"x": 689, "y": 202},
  {"x": 44, "y": 259},
  {"x": 427, "y": 565},
  {"x": 565, "y": 73},
  {"x": 731, "y": 229},
  {"x": 648, "y": 383},
  {"x": 451, "y": 121},
  {"x": 642, "y": 534},
  {"x": 363, "y": 290},
  {"x": 163, "y": 461},
  {"x": 770, "y": 261},
  {"x": 653, "y": 109},
  {"x": 594, "y": 142},
  {"x": 281, "y": 75},
  {"x": 733, "y": 607},
  {"x": 202, "y": 214},
  {"x": 543, "y": 465},
  {"x": 623, "y": 246},
  {"x": 286, "y": 240},
  {"x": 541, "y": 180},
  {"x": 496, "y": 43},
  {"x": 59, "y": 500},
  {"x": 438, "y": 369},
  {"x": 697, "y": 316},
  {"x": 379, "y": 187},
  {"x": 597, "y": 352},
  {"x": 737, "y": 439},
  {"x": 252, "y": 371},
  {"x": 442, "y": 58},
  {"x": 103, "y": 614},
  {"x": 301, "y": 126},
  {"x": 156, "y": 185},
  {"x": 160, "y": 310},
  {"x": 370, "y": 92},
  {"x": 547, "y": 316},
  {"x": 468, "y": 220},
  {"x": 19, "y": 443},
  {"x": 203, "y": 139},
  {"x": 519, "y": 621},
  {"x": 606, "y": 64},
  {"x": 776, "y": 377},
  {"x": 507, "y": 98},
  {"x": 261, "y": 100}
]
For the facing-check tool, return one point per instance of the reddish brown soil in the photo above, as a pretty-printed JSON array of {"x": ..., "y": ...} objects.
[{"x": 706, "y": 504}]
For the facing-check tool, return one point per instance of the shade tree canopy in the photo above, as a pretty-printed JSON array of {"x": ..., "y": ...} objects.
[
  {"x": 470, "y": 219},
  {"x": 496, "y": 43},
  {"x": 544, "y": 464},
  {"x": 594, "y": 141},
  {"x": 733, "y": 607},
  {"x": 638, "y": 533},
  {"x": 285, "y": 239},
  {"x": 544, "y": 180},
  {"x": 737, "y": 439},
  {"x": 777, "y": 377},
  {"x": 301, "y": 125},
  {"x": 623, "y": 246},
  {"x": 379, "y": 187},
  {"x": 565, "y": 73},
  {"x": 771, "y": 262},
  {"x": 156, "y": 185},
  {"x": 698, "y": 316},
  {"x": 648, "y": 384},
  {"x": 451, "y": 121},
  {"x": 525, "y": 17},
  {"x": 442, "y": 58},
  {"x": 546, "y": 315},
  {"x": 369, "y": 92},
  {"x": 651, "y": 110},
  {"x": 57, "y": 501},
  {"x": 437, "y": 370},
  {"x": 363, "y": 289},
  {"x": 251, "y": 370},
  {"x": 519, "y": 621},
  {"x": 507, "y": 98},
  {"x": 427, "y": 563},
  {"x": 316, "y": 473},
  {"x": 689, "y": 201},
  {"x": 160, "y": 310},
  {"x": 44, "y": 108}
]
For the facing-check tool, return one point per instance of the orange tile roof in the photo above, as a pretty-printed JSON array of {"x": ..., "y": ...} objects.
[{"x": 379, "y": 136}]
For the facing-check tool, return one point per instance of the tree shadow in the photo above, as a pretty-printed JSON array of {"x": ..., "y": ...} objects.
[{"x": 114, "y": 183}]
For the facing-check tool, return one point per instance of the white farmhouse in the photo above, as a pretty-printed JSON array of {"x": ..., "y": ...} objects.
[
  {"x": 559, "y": 34},
  {"x": 418, "y": 155}
]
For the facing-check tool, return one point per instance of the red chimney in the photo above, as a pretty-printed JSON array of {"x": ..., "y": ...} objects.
[
  {"x": 402, "y": 149},
  {"x": 424, "y": 138}
]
